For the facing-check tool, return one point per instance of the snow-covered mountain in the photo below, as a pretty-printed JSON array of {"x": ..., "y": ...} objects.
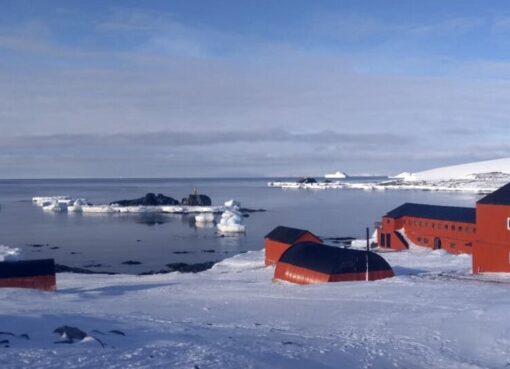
[{"x": 476, "y": 170}]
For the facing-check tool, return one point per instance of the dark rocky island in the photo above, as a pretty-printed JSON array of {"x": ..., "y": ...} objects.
[{"x": 148, "y": 200}]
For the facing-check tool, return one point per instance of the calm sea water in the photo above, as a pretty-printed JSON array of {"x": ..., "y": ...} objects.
[{"x": 81, "y": 240}]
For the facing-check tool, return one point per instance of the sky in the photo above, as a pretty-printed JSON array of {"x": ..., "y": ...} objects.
[{"x": 104, "y": 88}]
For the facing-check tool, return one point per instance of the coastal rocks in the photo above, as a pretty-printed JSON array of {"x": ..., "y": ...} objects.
[
  {"x": 150, "y": 199},
  {"x": 131, "y": 262},
  {"x": 196, "y": 199},
  {"x": 190, "y": 268}
]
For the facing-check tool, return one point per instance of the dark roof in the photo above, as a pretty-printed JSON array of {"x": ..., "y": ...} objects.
[
  {"x": 332, "y": 260},
  {"x": 448, "y": 213},
  {"x": 499, "y": 197},
  {"x": 27, "y": 268},
  {"x": 286, "y": 234}
]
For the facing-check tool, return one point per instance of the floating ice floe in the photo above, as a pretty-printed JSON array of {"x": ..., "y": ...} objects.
[
  {"x": 56, "y": 206},
  {"x": 46, "y": 200},
  {"x": 204, "y": 218},
  {"x": 232, "y": 204},
  {"x": 9, "y": 253},
  {"x": 66, "y": 203},
  {"x": 77, "y": 205},
  {"x": 231, "y": 222}
]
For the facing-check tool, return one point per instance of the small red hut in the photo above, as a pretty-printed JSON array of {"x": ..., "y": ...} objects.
[
  {"x": 37, "y": 274},
  {"x": 305, "y": 263},
  {"x": 281, "y": 238}
]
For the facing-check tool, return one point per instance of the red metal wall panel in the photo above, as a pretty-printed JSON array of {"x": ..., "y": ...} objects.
[
  {"x": 492, "y": 246},
  {"x": 45, "y": 283}
]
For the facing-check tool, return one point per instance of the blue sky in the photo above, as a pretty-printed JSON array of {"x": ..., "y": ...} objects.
[{"x": 249, "y": 88}]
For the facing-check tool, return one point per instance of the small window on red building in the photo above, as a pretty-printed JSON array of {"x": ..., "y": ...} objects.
[{"x": 446, "y": 226}]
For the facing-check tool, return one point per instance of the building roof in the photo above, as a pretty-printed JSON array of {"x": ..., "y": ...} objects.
[
  {"x": 332, "y": 260},
  {"x": 286, "y": 234},
  {"x": 27, "y": 268},
  {"x": 499, "y": 197},
  {"x": 438, "y": 212}
]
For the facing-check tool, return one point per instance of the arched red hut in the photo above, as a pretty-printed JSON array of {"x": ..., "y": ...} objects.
[
  {"x": 38, "y": 274},
  {"x": 281, "y": 238},
  {"x": 305, "y": 263}
]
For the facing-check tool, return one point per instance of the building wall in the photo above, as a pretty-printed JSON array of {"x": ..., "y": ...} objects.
[
  {"x": 42, "y": 282},
  {"x": 453, "y": 237},
  {"x": 492, "y": 245}
]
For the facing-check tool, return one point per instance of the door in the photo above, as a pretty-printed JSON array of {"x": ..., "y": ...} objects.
[{"x": 437, "y": 243}]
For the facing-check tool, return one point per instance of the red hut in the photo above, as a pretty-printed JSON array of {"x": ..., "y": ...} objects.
[
  {"x": 281, "y": 238},
  {"x": 492, "y": 246},
  {"x": 37, "y": 274},
  {"x": 305, "y": 263}
]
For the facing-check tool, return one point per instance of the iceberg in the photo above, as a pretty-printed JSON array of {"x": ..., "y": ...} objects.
[
  {"x": 230, "y": 222},
  {"x": 204, "y": 218},
  {"x": 336, "y": 175}
]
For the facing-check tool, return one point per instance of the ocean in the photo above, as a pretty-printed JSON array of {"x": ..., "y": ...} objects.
[{"x": 111, "y": 242}]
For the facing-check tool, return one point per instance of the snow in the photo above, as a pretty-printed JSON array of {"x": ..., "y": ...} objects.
[
  {"x": 463, "y": 171},
  {"x": 235, "y": 316},
  {"x": 481, "y": 177}
]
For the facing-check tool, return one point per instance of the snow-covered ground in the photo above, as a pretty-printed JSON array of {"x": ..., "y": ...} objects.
[
  {"x": 461, "y": 171},
  {"x": 480, "y": 177},
  {"x": 235, "y": 316}
]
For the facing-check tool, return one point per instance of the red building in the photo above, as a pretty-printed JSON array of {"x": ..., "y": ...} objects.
[
  {"x": 483, "y": 231},
  {"x": 281, "y": 238},
  {"x": 37, "y": 274},
  {"x": 492, "y": 246},
  {"x": 438, "y": 227},
  {"x": 308, "y": 263}
]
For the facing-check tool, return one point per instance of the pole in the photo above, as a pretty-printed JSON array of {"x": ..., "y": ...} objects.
[{"x": 368, "y": 249}]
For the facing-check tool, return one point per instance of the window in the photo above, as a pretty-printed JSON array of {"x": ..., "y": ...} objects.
[
  {"x": 460, "y": 229},
  {"x": 446, "y": 226}
]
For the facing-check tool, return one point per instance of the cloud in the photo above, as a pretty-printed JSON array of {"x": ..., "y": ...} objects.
[{"x": 209, "y": 102}]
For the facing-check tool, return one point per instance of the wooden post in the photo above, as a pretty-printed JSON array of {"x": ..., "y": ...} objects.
[{"x": 368, "y": 250}]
